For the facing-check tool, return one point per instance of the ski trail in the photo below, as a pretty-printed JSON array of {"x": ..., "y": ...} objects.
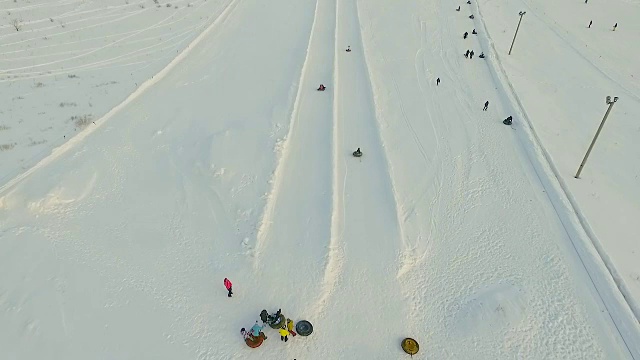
[
  {"x": 77, "y": 139},
  {"x": 299, "y": 213},
  {"x": 408, "y": 257},
  {"x": 335, "y": 255},
  {"x": 278, "y": 175},
  {"x": 364, "y": 222}
]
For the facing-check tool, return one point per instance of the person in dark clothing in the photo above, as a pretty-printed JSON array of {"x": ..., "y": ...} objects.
[
  {"x": 264, "y": 315},
  {"x": 471, "y": 54},
  {"x": 481, "y": 56},
  {"x": 615, "y": 26},
  {"x": 471, "y": 16},
  {"x": 321, "y": 88},
  {"x": 458, "y": 9},
  {"x": 590, "y": 22},
  {"x": 474, "y": 32},
  {"x": 486, "y": 105},
  {"x": 349, "y": 48},
  {"x": 508, "y": 121},
  {"x": 437, "y": 81},
  {"x": 466, "y": 54},
  {"x": 464, "y": 36}
]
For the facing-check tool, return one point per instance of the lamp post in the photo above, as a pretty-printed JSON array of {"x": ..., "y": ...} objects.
[
  {"x": 610, "y": 103},
  {"x": 521, "y": 13}
]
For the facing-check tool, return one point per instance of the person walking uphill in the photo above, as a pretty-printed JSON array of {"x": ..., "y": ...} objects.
[
  {"x": 228, "y": 285},
  {"x": 486, "y": 105}
]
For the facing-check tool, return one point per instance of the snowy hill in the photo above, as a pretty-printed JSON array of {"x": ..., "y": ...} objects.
[{"x": 210, "y": 154}]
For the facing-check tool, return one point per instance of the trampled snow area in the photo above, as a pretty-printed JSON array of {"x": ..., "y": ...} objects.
[{"x": 208, "y": 153}]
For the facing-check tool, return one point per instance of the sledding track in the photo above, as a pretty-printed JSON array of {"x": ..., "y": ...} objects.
[
  {"x": 297, "y": 214},
  {"x": 365, "y": 221}
]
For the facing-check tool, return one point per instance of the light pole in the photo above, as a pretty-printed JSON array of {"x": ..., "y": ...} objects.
[
  {"x": 610, "y": 103},
  {"x": 521, "y": 13}
]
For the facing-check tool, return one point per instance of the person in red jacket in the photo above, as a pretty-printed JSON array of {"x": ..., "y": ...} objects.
[{"x": 228, "y": 285}]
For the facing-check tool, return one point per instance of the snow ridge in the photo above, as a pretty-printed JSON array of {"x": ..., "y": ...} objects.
[
  {"x": 279, "y": 174},
  {"x": 335, "y": 254}
]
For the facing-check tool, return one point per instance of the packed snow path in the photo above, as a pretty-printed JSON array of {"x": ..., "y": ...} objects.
[{"x": 232, "y": 165}]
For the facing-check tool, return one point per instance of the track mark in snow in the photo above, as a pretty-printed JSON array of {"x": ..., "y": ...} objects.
[
  {"x": 279, "y": 175},
  {"x": 335, "y": 255},
  {"x": 77, "y": 139},
  {"x": 365, "y": 233}
]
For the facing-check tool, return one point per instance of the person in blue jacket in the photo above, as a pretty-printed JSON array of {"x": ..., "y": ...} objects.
[{"x": 256, "y": 330}]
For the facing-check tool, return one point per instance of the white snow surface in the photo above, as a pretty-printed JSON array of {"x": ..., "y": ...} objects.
[{"x": 147, "y": 152}]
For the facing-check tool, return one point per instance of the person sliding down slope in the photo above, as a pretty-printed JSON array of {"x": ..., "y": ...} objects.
[{"x": 322, "y": 88}]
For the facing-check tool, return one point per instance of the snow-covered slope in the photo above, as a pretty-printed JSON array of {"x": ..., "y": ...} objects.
[
  {"x": 562, "y": 71},
  {"x": 229, "y": 163},
  {"x": 73, "y": 61}
]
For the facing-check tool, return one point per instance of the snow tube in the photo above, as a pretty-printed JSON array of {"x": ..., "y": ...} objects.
[
  {"x": 304, "y": 328},
  {"x": 357, "y": 154},
  {"x": 279, "y": 322},
  {"x": 410, "y": 346},
  {"x": 254, "y": 342}
]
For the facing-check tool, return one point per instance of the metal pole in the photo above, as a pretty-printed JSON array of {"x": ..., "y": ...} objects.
[
  {"x": 594, "y": 139},
  {"x": 516, "y": 34}
]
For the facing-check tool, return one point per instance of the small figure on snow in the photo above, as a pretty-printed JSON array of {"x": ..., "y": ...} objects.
[
  {"x": 437, "y": 81},
  {"x": 615, "y": 26},
  {"x": 284, "y": 333},
  {"x": 458, "y": 9},
  {"x": 474, "y": 32},
  {"x": 228, "y": 285},
  {"x": 357, "y": 153},
  {"x": 486, "y": 105},
  {"x": 481, "y": 55},
  {"x": 290, "y": 327},
  {"x": 264, "y": 316},
  {"x": 348, "y": 48},
  {"x": 322, "y": 88},
  {"x": 464, "y": 36},
  {"x": 469, "y": 2},
  {"x": 471, "y": 54},
  {"x": 272, "y": 319},
  {"x": 256, "y": 330},
  {"x": 466, "y": 54},
  {"x": 508, "y": 121},
  {"x": 471, "y": 17},
  {"x": 590, "y": 22}
]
